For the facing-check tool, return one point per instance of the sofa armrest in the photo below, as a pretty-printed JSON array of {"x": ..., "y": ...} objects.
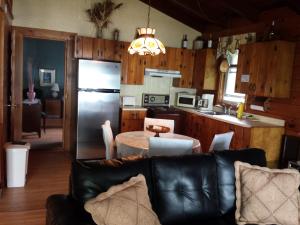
[{"x": 63, "y": 210}]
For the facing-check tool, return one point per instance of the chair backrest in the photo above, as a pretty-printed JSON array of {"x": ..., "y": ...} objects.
[
  {"x": 159, "y": 146},
  {"x": 108, "y": 140},
  {"x": 159, "y": 122},
  {"x": 221, "y": 141}
]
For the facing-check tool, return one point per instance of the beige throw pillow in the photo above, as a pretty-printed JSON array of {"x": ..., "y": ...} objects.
[
  {"x": 126, "y": 204},
  {"x": 266, "y": 196}
]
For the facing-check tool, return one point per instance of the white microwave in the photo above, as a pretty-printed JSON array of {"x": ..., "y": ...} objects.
[{"x": 186, "y": 100}]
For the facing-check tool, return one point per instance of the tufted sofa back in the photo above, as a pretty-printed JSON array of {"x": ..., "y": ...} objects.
[{"x": 182, "y": 189}]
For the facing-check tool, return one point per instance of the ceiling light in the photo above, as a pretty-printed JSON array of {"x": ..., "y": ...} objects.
[{"x": 146, "y": 43}]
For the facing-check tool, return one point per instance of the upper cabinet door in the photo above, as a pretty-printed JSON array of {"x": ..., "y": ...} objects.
[
  {"x": 185, "y": 62},
  {"x": 265, "y": 69},
  {"x": 83, "y": 47},
  {"x": 98, "y": 49},
  {"x": 205, "y": 70}
]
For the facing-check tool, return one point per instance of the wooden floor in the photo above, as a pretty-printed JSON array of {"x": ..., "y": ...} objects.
[{"x": 48, "y": 173}]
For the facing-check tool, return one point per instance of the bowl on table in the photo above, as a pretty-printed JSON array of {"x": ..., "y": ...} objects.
[{"x": 157, "y": 129}]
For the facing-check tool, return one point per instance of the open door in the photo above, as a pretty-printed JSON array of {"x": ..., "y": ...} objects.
[
  {"x": 16, "y": 86},
  {"x": 4, "y": 80}
]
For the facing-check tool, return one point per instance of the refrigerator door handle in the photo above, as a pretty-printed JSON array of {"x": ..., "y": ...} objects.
[{"x": 99, "y": 90}]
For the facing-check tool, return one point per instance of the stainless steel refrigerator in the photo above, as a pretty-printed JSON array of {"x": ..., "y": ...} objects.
[{"x": 98, "y": 101}]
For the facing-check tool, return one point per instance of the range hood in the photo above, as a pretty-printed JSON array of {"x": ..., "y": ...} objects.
[{"x": 162, "y": 73}]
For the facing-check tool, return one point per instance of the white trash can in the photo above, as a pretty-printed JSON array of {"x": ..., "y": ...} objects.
[{"x": 16, "y": 163}]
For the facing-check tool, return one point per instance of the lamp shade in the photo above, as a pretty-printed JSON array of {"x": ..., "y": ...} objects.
[
  {"x": 146, "y": 43},
  {"x": 55, "y": 87}
]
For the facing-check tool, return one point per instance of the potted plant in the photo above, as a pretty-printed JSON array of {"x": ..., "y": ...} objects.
[{"x": 100, "y": 14}]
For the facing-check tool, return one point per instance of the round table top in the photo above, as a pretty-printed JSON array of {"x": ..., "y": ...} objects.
[{"x": 139, "y": 139}]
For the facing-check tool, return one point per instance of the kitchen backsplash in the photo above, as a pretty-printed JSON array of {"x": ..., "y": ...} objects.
[{"x": 155, "y": 85}]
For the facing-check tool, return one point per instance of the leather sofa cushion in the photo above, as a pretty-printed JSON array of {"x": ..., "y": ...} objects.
[
  {"x": 185, "y": 189},
  {"x": 226, "y": 177},
  {"x": 91, "y": 178}
]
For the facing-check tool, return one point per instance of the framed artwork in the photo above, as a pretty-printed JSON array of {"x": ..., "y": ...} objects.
[{"x": 47, "y": 77}]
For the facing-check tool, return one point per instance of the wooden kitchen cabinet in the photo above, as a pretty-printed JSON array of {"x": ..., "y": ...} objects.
[
  {"x": 108, "y": 49},
  {"x": 83, "y": 47},
  {"x": 132, "y": 120},
  {"x": 204, "y": 129},
  {"x": 205, "y": 70},
  {"x": 186, "y": 65},
  {"x": 169, "y": 61},
  {"x": 265, "y": 69},
  {"x": 135, "y": 69}
]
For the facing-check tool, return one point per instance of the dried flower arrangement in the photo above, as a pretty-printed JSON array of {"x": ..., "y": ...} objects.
[
  {"x": 100, "y": 13},
  {"x": 30, "y": 93}
]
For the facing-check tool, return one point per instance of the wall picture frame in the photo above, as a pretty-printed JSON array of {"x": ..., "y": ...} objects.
[{"x": 47, "y": 77}]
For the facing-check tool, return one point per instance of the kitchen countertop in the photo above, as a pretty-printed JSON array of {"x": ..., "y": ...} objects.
[
  {"x": 137, "y": 107},
  {"x": 233, "y": 120}
]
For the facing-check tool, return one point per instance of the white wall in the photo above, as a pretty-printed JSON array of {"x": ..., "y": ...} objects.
[{"x": 70, "y": 15}]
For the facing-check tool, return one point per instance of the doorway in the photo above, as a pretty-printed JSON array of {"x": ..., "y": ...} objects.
[
  {"x": 19, "y": 34},
  {"x": 43, "y": 93}
]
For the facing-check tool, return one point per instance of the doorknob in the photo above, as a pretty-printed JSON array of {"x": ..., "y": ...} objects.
[{"x": 11, "y": 105}]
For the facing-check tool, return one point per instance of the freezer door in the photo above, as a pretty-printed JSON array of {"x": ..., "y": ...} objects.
[
  {"x": 94, "y": 108},
  {"x": 98, "y": 75}
]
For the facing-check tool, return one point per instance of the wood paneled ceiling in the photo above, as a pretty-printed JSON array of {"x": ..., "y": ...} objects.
[{"x": 205, "y": 14}]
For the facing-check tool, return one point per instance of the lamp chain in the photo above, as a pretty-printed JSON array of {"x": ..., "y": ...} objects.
[{"x": 148, "y": 20}]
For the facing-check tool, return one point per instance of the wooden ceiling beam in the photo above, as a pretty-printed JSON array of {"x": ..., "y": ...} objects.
[
  {"x": 173, "y": 12},
  {"x": 294, "y": 5},
  {"x": 242, "y": 8},
  {"x": 197, "y": 13}
]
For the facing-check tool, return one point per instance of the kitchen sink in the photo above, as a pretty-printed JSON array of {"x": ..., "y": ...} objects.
[{"x": 211, "y": 112}]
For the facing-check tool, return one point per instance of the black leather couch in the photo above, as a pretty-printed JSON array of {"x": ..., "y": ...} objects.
[{"x": 185, "y": 190}]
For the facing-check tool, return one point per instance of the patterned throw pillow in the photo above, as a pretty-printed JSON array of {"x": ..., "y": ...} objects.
[
  {"x": 127, "y": 203},
  {"x": 266, "y": 196}
]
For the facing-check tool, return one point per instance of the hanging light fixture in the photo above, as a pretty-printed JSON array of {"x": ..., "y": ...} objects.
[{"x": 146, "y": 43}]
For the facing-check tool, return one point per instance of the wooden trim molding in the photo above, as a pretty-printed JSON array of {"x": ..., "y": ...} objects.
[
  {"x": 6, "y": 7},
  {"x": 44, "y": 33}
]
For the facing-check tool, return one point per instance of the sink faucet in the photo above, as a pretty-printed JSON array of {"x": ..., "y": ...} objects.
[
  {"x": 224, "y": 108},
  {"x": 229, "y": 110}
]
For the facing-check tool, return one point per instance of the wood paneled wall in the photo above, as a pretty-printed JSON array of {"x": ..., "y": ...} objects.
[{"x": 288, "y": 26}]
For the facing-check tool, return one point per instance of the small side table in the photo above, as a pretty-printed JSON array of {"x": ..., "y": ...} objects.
[{"x": 53, "y": 108}]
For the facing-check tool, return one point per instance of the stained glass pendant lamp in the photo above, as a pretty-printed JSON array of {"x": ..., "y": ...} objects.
[{"x": 146, "y": 43}]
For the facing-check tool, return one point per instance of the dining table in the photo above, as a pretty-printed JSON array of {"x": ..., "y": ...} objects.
[{"x": 137, "y": 142}]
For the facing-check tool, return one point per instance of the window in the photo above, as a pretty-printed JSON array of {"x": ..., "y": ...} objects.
[{"x": 229, "y": 83}]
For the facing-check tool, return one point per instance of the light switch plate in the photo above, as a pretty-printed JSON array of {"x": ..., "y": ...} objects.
[{"x": 245, "y": 78}]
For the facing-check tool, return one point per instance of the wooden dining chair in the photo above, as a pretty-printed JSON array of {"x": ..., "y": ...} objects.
[
  {"x": 221, "y": 141},
  {"x": 108, "y": 138},
  {"x": 159, "y": 146},
  {"x": 159, "y": 122}
]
